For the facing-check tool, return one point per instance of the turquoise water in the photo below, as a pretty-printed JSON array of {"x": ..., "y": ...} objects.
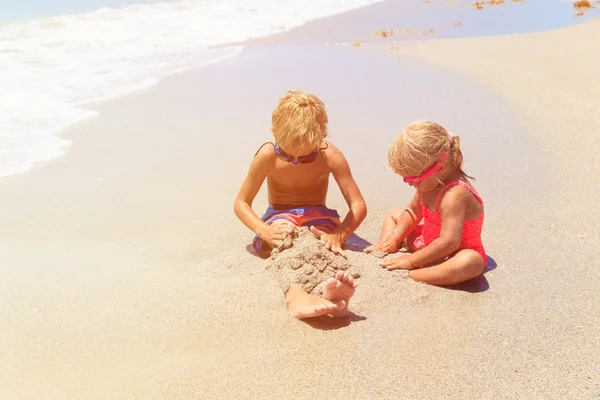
[{"x": 27, "y": 9}]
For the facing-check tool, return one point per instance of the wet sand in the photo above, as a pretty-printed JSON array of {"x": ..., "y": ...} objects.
[{"x": 125, "y": 273}]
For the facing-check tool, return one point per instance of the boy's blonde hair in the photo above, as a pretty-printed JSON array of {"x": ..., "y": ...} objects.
[
  {"x": 418, "y": 147},
  {"x": 299, "y": 122}
]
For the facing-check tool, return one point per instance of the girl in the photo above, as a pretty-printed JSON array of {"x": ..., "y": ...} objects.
[{"x": 441, "y": 227}]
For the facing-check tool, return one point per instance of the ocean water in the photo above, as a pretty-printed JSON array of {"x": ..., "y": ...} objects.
[
  {"x": 57, "y": 56},
  {"x": 28, "y": 9}
]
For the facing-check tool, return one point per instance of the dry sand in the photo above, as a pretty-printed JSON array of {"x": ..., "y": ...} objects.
[{"x": 125, "y": 274}]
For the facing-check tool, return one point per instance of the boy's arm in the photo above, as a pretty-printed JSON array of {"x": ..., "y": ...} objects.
[
  {"x": 242, "y": 207},
  {"x": 356, "y": 203}
]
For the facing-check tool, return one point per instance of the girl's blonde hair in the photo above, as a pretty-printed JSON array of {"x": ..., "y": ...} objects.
[
  {"x": 299, "y": 122},
  {"x": 419, "y": 146}
]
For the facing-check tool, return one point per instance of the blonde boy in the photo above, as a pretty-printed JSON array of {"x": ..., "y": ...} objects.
[{"x": 297, "y": 168}]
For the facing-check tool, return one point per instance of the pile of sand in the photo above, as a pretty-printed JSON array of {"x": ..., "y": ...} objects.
[{"x": 301, "y": 258}]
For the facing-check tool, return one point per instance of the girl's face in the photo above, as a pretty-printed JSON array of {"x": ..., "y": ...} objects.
[
  {"x": 428, "y": 184},
  {"x": 428, "y": 180}
]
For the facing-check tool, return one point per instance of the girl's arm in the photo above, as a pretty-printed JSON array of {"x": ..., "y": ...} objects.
[
  {"x": 397, "y": 226},
  {"x": 406, "y": 222},
  {"x": 452, "y": 208}
]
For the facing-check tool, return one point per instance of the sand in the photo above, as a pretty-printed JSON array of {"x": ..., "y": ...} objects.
[
  {"x": 125, "y": 274},
  {"x": 301, "y": 258}
]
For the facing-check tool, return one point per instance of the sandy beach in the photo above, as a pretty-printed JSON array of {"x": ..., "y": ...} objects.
[{"x": 126, "y": 275}]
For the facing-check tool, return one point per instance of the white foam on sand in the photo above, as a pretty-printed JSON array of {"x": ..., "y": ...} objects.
[{"x": 51, "y": 66}]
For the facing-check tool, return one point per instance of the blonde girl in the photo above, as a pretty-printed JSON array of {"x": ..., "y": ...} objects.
[{"x": 441, "y": 227}]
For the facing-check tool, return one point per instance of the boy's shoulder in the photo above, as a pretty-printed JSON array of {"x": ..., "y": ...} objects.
[
  {"x": 333, "y": 152},
  {"x": 265, "y": 156},
  {"x": 265, "y": 152}
]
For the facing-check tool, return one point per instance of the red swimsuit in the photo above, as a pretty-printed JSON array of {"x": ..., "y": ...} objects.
[{"x": 431, "y": 225}]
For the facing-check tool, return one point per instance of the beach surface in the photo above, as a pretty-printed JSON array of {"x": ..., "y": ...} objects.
[{"x": 126, "y": 275}]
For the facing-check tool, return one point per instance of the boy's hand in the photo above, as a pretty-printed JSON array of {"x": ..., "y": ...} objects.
[
  {"x": 389, "y": 245},
  {"x": 400, "y": 262},
  {"x": 272, "y": 234},
  {"x": 331, "y": 241}
]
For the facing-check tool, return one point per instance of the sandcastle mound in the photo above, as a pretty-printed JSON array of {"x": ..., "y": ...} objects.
[{"x": 301, "y": 258}]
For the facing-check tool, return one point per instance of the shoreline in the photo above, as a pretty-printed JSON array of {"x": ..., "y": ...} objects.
[
  {"x": 48, "y": 64},
  {"x": 311, "y": 31}
]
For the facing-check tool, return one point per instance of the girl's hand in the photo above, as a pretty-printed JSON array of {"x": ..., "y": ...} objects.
[
  {"x": 331, "y": 241},
  {"x": 389, "y": 245},
  {"x": 400, "y": 262},
  {"x": 273, "y": 233}
]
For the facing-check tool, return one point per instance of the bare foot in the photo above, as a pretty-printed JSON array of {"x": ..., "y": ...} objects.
[
  {"x": 303, "y": 305},
  {"x": 340, "y": 288}
]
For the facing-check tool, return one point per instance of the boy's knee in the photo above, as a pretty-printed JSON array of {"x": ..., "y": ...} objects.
[{"x": 265, "y": 251}]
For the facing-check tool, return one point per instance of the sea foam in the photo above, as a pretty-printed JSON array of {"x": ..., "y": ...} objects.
[{"x": 50, "y": 67}]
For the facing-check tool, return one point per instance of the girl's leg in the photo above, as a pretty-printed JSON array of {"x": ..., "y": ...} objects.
[
  {"x": 393, "y": 225},
  {"x": 464, "y": 265},
  {"x": 390, "y": 223}
]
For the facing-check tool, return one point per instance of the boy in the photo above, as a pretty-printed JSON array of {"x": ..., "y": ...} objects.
[{"x": 297, "y": 168}]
